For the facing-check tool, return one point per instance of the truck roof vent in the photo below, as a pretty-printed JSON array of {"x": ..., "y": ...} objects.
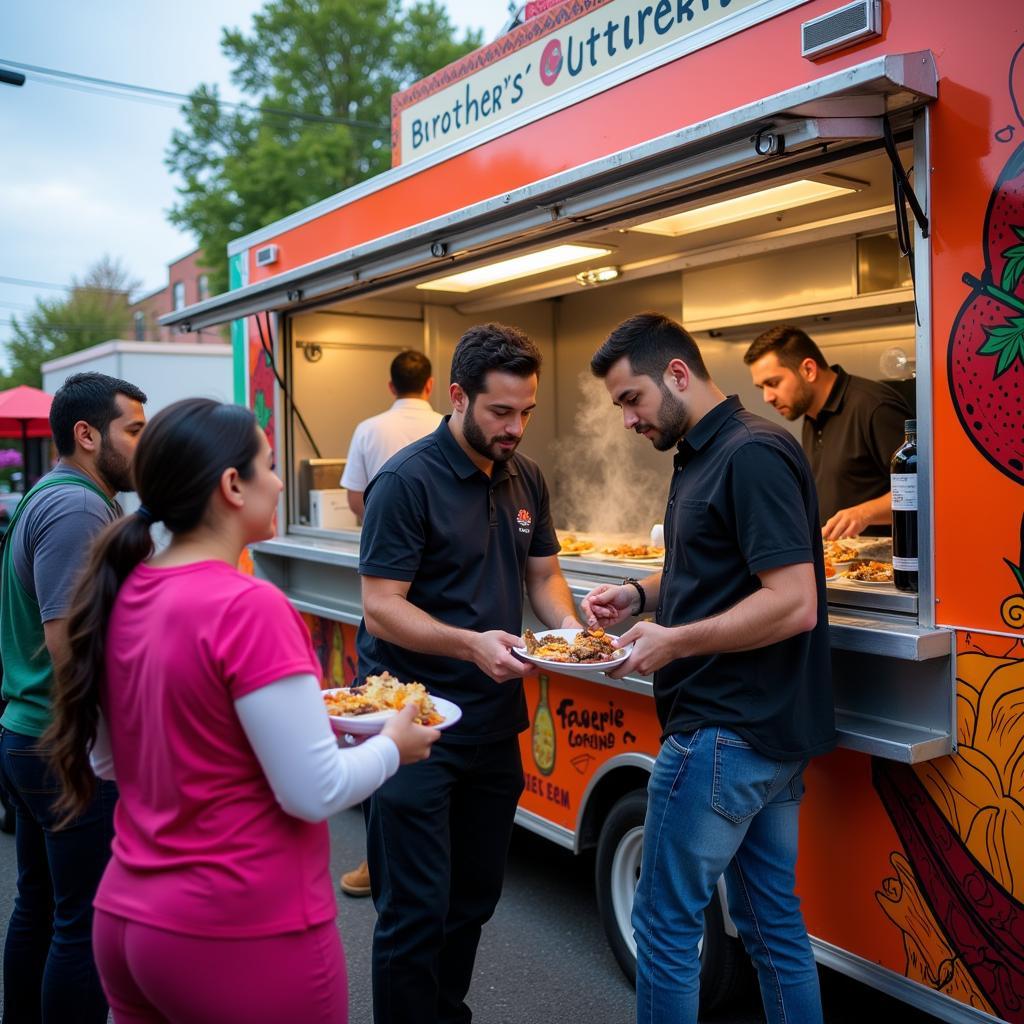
[
  {"x": 266, "y": 255},
  {"x": 841, "y": 28}
]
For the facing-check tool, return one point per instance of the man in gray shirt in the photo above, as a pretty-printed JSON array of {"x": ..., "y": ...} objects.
[{"x": 49, "y": 973}]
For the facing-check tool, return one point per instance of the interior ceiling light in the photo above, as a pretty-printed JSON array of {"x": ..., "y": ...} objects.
[
  {"x": 599, "y": 275},
  {"x": 754, "y": 204},
  {"x": 514, "y": 268}
]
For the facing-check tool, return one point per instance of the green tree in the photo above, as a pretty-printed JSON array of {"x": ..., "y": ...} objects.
[
  {"x": 335, "y": 61},
  {"x": 94, "y": 310}
]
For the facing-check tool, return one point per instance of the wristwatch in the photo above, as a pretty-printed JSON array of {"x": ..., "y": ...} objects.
[{"x": 630, "y": 581}]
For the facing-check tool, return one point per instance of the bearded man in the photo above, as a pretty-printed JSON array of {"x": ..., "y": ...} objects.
[
  {"x": 49, "y": 973},
  {"x": 739, "y": 651},
  {"x": 851, "y": 428},
  {"x": 455, "y": 525}
]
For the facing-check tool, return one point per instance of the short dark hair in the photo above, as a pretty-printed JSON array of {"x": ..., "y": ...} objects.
[
  {"x": 650, "y": 341},
  {"x": 89, "y": 397},
  {"x": 488, "y": 347},
  {"x": 790, "y": 344},
  {"x": 410, "y": 371}
]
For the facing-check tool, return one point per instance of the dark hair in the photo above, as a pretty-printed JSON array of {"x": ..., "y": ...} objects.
[
  {"x": 410, "y": 372},
  {"x": 790, "y": 344},
  {"x": 181, "y": 456},
  {"x": 650, "y": 341},
  {"x": 488, "y": 347},
  {"x": 89, "y": 397}
]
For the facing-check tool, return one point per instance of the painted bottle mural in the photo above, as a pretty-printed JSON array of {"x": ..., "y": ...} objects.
[
  {"x": 337, "y": 663},
  {"x": 543, "y": 733}
]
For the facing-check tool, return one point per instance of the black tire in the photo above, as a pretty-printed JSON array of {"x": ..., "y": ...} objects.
[{"x": 725, "y": 970}]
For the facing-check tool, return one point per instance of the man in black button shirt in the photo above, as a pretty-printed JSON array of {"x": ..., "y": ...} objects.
[
  {"x": 455, "y": 524},
  {"x": 742, "y": 676},
  {"x": 851, "y": 428}
]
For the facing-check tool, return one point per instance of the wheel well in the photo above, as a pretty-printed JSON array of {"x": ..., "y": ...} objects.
[{"x": 615, "y": 785}]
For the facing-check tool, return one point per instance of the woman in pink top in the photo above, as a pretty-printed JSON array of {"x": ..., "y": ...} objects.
[{"x": 197, "y": 688}]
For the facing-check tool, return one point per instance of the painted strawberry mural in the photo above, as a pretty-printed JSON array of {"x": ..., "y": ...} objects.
[
  {"x": 986, "y": 357},
  {"x": 986, "y": 351}
]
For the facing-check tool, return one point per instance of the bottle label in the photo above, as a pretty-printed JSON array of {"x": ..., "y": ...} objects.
[
  {"x": 904, "y": 564},
  {"x": 904, "y": 492}
]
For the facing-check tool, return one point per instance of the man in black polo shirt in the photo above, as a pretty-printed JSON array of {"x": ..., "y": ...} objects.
[
  {"x": 851, "y": 428},
  {"x": 455, "y": 525},
  {"x": 742, "y": 680}
]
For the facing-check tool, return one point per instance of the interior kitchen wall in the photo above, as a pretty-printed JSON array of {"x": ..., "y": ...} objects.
[{"x": 348, "y": 382}]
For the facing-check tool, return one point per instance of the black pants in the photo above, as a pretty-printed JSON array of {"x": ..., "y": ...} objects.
[
  {"x": 437, "y": 842},
  {"x": 49, "y": 972}
]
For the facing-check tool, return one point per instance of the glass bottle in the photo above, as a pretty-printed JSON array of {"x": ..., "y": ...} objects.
[
  {"x": 904, "y": 511},
  {"x": 543, "y": 733}
]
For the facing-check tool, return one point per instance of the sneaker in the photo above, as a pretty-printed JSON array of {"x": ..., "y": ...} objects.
[{"x": 357, "y": 881}]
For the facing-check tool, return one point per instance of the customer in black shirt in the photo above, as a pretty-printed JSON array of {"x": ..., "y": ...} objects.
[
  {"x": 455, "y": 524},
  {"x": 740, "y": 655},
  {"x": 851, "y": 428}
]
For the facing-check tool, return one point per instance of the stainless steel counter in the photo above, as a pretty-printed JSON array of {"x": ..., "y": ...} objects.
[{"x": 894, "y": 680}]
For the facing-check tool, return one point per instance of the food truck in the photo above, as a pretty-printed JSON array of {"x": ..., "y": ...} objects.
[{"x": 855, "y": 169}]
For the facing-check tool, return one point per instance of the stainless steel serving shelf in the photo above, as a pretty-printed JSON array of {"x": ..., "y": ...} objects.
[{"x": 894, "y": 681}]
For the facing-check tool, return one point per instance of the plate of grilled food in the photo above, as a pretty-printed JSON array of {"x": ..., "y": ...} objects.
[
  {"x": 841, "y": 554},
  {"x": 573, "y": 545},
  {"x": 572, "y": 650},
  {"x": 363, "y": 710},
  {"x": 869, "y": 572},
  {"x": 633, "y": 553}
]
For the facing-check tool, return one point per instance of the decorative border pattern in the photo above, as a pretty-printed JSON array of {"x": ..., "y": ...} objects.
[{"x": 562, "y": 13}]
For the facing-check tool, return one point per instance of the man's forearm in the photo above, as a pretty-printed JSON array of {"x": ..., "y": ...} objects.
[
  {"x": 397, "y": 621},
  {"x": 764, "y": 618},
  {"x": 551, "y": 600},
  {"x": 879, "y": 510},
  {"x": 652, "y": 588}
]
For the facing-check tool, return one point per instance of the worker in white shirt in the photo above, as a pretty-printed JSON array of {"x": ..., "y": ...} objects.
[
  {"x": 374, "y": 442},
  {"x": 410, "y": 417}
]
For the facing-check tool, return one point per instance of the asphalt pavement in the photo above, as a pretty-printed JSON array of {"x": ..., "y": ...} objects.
[{"x": 543, "y": 957}]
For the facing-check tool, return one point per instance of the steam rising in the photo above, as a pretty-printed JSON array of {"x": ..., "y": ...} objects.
[{"x": 602, "y": 487}]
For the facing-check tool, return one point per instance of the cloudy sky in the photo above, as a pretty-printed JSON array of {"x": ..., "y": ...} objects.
[{"x": 82, "y": 173}]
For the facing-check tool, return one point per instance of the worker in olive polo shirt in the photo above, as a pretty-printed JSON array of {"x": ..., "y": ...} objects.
[
  {"x": 851, "y": 428},
  {"x": 455, "y": 525},
  {"x": 49, "y": 973},
  {"x": 739, "y": 651}
]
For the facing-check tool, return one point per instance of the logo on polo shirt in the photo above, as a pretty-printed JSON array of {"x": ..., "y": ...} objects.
[{"x": 525, "y": 520}]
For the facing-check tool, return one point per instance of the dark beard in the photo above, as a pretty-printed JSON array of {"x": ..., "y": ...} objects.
[
  {"x": 480, "y": 444},
  {"x": 671, "y": 425},
  {"x": 114, "y": 468}
]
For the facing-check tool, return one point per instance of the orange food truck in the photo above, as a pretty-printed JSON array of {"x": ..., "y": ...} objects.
[{"x": 856, "y": 169}]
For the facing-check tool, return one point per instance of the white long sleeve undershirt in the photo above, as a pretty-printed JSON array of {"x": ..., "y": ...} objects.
[{"x": 293, "y": 741}]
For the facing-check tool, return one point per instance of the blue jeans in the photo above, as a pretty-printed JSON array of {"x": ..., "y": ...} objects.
[
  {"x": 49, "y": 973},
  {"x": 716, "y": 806}
]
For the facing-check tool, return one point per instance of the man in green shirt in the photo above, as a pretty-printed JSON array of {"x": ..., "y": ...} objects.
[{"x": 49, "y": 973}]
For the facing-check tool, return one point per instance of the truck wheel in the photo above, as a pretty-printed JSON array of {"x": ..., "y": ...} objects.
[{"x": 725, "y": 971}]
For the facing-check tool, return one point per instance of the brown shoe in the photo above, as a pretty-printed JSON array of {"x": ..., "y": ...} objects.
[{"x": 357, "y": 881}]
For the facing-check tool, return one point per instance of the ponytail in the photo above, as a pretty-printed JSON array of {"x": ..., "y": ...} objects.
[
  {"x": 78, "y": 673},
  {"x": 177, "y": 467}
]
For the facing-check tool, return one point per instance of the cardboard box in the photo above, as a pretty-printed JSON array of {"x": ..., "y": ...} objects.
[{"x": 328, "y": 510}]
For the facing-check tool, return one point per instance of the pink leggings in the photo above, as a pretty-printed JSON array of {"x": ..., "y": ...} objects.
[{"x": 152, "y": 976}]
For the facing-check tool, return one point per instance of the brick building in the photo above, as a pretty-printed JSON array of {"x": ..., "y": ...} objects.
[{"x": 187, "y": 283}]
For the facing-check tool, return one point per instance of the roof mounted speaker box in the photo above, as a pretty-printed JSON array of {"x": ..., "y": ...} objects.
[{"x": 841, "y": 28}]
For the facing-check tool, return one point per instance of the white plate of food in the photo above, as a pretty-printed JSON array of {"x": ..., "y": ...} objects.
[
  {"x": 364, "y": 710},
  {"x": 872, "y": 574},
  {"x": 632, "y": 553},
  {"x": 573, "y": 546},
  {"x": 572, "y": 651},
  {"x": 841, "y": 554}
]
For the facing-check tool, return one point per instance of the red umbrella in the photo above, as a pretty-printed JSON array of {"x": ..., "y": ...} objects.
[{"x": 25, "y": 413}]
